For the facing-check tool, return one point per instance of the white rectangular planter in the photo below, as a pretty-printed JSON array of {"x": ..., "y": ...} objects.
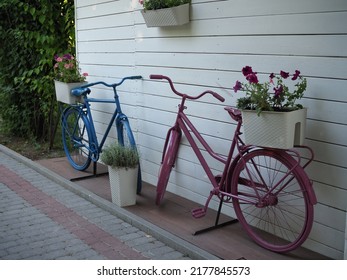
[
  {"x": 280, "y": 130},
  {"x": 63, "y": 92},
  {"x": 178, "y": 15},
  {"x": 123, "y": 183}
]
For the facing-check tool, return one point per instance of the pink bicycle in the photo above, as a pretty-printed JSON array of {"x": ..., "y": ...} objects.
[{"x": 271, "y": 193}]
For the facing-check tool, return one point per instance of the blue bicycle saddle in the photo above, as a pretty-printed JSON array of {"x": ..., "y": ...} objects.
[{"x": 80, "y": 91}]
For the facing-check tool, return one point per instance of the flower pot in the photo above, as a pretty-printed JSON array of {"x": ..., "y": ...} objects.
[
  {"x": 63, "y": 92},
  {"x": 123, "y": 183},
  {"x": 280, "y": 130},
  {"x": 178, "y": 15}
]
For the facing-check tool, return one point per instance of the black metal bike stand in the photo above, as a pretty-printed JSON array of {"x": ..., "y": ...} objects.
[
  {"x": 216, "y": 224},
  {"x": 94, "y": 175}
]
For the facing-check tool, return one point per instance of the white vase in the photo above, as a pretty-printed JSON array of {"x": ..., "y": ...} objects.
[
  {"x": 178, "y": 15},
  {"x": 271, "y": 129},
  {"x": 63, "y": 92},
  {"x": 123, "y": 183}
]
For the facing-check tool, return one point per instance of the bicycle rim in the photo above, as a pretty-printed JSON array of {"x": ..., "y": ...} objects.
[
  {"x": 76, "y": 138},
  {"x": 169, "y": 158},
  {"x": 281, "y": 219}
]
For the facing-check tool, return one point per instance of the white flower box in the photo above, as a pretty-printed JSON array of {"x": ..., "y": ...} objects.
[
  {"x": 178, "y": 15},
  {"x": 63, "y": 92},
  {"x": 271, "y": 129}
]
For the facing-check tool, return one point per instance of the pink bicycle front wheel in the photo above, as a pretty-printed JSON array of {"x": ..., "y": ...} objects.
[
  {"x": 271, "y": 200},
  {"x": 169, "y": 158}
]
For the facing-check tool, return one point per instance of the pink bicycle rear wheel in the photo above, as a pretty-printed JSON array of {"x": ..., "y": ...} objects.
[{"x": 272, "y": 202}]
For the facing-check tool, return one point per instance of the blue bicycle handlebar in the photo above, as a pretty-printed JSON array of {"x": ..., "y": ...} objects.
[
  {"x": 84, "y": 89},
  {"x": 113, "y": 85}
]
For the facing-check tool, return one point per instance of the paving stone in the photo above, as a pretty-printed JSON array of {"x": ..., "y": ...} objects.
[{"x": 40, "y": 219}]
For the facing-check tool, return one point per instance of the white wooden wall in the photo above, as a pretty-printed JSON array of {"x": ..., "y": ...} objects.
[{"x": 208, "y": 53}]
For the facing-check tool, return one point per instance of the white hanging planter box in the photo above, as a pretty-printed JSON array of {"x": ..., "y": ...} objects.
[
  {"x": 280, "y": 130},
  {"x": 178, "y": 15},
  {"x": 123, "y": 183},
  {"x": 63, "y": 92}
]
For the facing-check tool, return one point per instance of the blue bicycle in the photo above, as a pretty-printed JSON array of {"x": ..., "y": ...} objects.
[{"x": 78, "y": 132}]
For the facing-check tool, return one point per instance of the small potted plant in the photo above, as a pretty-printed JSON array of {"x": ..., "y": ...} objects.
[
  {"x": 165, "y": 12},
  {"x": 122, "y": 164},
  {"x": 271, "y": 115},
  {"x": 66, "y": 77}
]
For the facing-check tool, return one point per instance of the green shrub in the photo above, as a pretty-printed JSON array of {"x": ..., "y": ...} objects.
[
  {"x": 31, "y": 33},
  {"x": 116, "y": 155}
]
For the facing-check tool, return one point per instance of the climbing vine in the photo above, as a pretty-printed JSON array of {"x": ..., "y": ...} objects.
[{"x": 31, "y": 33}]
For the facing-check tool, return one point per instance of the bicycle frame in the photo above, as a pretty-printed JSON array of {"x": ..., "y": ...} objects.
[
  {"x": 117, "y": 114},
  {"x": 185, "y": 124}
]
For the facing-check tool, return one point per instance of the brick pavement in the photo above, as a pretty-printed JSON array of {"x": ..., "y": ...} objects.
[{"x": 40, "y": 219}]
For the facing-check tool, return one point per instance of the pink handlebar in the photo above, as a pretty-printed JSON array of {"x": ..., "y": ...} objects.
[
  {"x": 156, "y": 77},
  {"x": 161, "y": 77}
]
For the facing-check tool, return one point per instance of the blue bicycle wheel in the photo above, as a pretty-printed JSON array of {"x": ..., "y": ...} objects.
[{"x": 76, "y": 138}]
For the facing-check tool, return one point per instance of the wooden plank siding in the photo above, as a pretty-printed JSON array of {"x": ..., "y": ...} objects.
[{"x": 209, "y": 53}]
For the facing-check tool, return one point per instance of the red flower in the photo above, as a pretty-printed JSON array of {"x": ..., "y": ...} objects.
[
  {"x": 247, "y": 70},
  {"x": 252, "y": 78},
  {"x": 284, "y": 75},
  {"x": 296, "y": 75},
  {"x": 278, "y": 91},
  {"x": 237, "y": 86}
]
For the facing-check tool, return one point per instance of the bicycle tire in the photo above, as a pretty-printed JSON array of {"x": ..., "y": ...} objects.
[
  {"x": 281, "y": 221},
  {"x": 76, "y": 137},
  {"x": 169, "y": 157},
  {"x": 126, "y": 138}
]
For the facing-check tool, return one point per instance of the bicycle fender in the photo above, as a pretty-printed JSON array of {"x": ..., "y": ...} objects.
[{"x": 309, "y": 185}]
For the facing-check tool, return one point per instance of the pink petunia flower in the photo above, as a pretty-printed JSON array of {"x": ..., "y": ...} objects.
[
  {"x": 247, "y": 70},
  {"x": 296, "y": 75},
  {"x": 252, "y": 78},
  {"x": 237, "y": 86},
  {"x": 284, "y": 75}
]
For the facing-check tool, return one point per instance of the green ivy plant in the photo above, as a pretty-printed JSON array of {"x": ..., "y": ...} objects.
[{"x": 31, "y": 33}]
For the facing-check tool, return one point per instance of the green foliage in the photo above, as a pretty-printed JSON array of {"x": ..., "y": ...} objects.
[
  {"x": 116, "y": 155},
  {"x": 31, "y": 33},
  {"x": 162, "y": 4},
  {"x": 273, "y": 95}
]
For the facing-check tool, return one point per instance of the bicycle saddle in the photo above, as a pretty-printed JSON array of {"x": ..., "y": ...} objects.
[{"x": 80, "y": 91}]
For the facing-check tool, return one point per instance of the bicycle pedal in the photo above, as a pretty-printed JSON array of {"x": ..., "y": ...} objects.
[{"x": 198, "y": 212}]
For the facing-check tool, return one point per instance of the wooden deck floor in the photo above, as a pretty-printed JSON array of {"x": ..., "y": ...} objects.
[{"x": 229, "y": 242}]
